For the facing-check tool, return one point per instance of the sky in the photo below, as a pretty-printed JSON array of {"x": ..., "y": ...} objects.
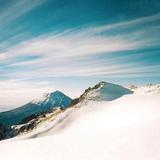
[{"x": 69, "y": 45}]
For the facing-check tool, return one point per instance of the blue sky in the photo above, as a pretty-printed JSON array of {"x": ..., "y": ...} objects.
[{"x": 72, "y": 44}]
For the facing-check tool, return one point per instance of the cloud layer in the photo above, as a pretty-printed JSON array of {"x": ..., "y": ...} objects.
[{"x": 78, "y": 52}]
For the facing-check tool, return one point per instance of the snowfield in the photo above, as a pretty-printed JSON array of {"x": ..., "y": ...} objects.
[{"x": 127, "y": 128}]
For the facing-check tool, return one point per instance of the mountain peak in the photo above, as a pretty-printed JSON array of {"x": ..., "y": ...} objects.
[
  {"x": 56, "y": 98},
  {"x": 50, "y": 95},
  {"x": 46, "y": 103},
  {"x": 106, "y": 91},
  {"x": 57, "y": 93},
  {"x": 103, "y": 91},
  {"x": 99, "y": 85}
]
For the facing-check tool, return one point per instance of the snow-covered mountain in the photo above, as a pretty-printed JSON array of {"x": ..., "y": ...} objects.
[
  {"x": 123, "y": 127},
  {"x": 48, "y": 102},
  {"x": 103, "y": 91}
]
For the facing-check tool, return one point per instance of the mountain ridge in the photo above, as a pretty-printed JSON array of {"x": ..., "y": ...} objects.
[{"x": 98, "y": 91}]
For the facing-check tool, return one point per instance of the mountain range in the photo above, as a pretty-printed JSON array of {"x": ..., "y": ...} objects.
[{"x": 40, "y": 112}]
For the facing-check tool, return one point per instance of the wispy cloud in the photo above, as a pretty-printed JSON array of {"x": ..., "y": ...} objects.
[
  {"x": 90, "y": 40},
  {"x": 78, "y": 52},
  {"x": 16, "y": 9},
  {"x": 2, "y": 56},
  {"x": 131, "y": 23},
  {"x": 61, "y": 53}
]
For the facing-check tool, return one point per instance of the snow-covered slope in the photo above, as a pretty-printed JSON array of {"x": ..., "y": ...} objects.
[
  {"x": 149, "y": 89},
  {"x": 127, "y": 128},
  {"x": 49, "y": 101}
]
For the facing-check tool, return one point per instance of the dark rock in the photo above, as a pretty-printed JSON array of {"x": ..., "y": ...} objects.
[
  {"x": 2, "y": 132},
  {"x": 29, "y": 118}
]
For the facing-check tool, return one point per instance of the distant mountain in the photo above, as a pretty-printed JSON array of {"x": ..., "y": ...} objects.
[
  {"x": 103, "y": 91},
  {"x": 47, "y": 103}
]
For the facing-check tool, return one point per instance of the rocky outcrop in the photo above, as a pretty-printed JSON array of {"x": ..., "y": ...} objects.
[
  {"x": 86, "y": 92},
  {"x": 34, "y": 121}
]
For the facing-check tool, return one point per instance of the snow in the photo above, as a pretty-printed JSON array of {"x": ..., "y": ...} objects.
[
  {"x": 148, "y": 89},
  {"x": 127, "y": 128}
]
